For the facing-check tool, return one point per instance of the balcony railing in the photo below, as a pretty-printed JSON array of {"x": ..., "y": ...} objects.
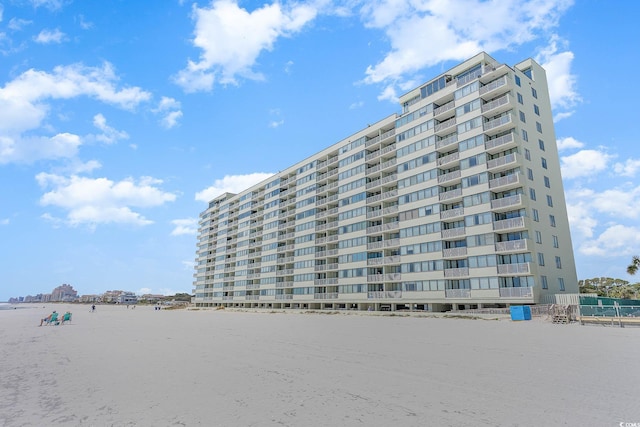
[
  {"x": 506, "y": 202},
  {"x": 514, "y": 178},
  {"x": 327, "y": 295},
  {"x": 516, "y": 292},
  {"x": 519, "y": 268},
  {"x": 512, "y": 246},
  {"x": 457, "y": 293},
  {"x": 456, "y": 272},
  {"x": 510, "y": 223},
  {"x": 384, "y": 294}
]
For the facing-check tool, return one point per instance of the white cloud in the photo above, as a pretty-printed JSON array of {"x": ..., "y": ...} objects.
[
  {"x": 50, "y": 36},
  {"x": 629, "y": 168},
  {"x": 185, "y": 226},
  {"x": 568, "y": 143},
  {"x": 49, "y": 4},
  {"x": 24, "y": 105},
  {"x": 4, "y": 221},
  {"x": 562, "y": 84},
  {"x": 170, "y": 109},
  {"x": 17, "y": 24},
  {"x": 34, "y": 148},
  {"x": 356, "y": 105},
  {"x": 92, "y": 201},
  {"x": 274, "y": 124},
  {"x": 231, "y": 184},
  {"x": 452, "y": 34},
  {"x": 85, "y": 25},
  {"x": 109, "y": 135},
  {"x": 561, "y": 116},
  {"x": 584, "y": 163},
  {"x": 617, "y": 240},
  {"x": 229, "y": 49}
]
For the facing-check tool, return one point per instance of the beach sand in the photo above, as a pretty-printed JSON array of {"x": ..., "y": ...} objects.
[{"x": 142, "y": 367}]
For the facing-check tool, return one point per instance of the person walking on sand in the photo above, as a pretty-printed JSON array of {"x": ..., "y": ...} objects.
[{"x": 93, "y": 308}]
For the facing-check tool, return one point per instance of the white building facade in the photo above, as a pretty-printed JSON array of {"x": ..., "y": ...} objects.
[{"x": 455, "y": 203}]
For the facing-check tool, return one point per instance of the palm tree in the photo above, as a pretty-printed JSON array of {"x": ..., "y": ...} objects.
[{"x": 634, "y": 266}]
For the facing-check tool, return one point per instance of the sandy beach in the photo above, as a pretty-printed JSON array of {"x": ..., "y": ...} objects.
[{"x": 142, "y": 367}]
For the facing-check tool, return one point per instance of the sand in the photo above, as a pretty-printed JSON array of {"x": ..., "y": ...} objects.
[{"x": 126, "y": 367}]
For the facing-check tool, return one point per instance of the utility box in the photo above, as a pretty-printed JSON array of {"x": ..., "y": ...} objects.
[{"x": 520, "y": 312}]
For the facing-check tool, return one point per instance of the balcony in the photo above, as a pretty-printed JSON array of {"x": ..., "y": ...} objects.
[
  {"x": 457, "y": 293},
  {"x": 325, "y": 267},
  {"x": 327, "y": 295},
  {"x": 501, "y": 143},
  {"x": 323, "y": 282},
  {"x": 380, "y": 138},
  {"x": 451, "y": 213},
  {"x": 444, "y": 178},
  {"x": 443, "y": 126},
  {"x": 449, "y": 107},
  {"x": 445, "y": 142},
  {"x": 497, "y": 125},
  {"x": 453, "y": 232},
  {"x": 508, "y": 181},
  {"x": 520, "y": 268},
  {"x": 502, "y": 163},
  {"x": 491, "y": 90},
  {"x": 506, "y": 202},
  {"x": 512, "y": 246},
  {"x": 284, "y": 296},
  {"x": 516, "y": 292},
  {"x": 497, "y": 106},
  {"x": 454, "y": 252},
  {"x": 456, "y": 272},
  {"x": 450, "y": 158},
  {"x": 452, "y": 194},
  {"x": 384, "y": 294},
  {"x": 509, "y": 224}
]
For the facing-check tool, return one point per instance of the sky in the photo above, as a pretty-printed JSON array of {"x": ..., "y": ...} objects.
[{"x": 120, "y": 120}]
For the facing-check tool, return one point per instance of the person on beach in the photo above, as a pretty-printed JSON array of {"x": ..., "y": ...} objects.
[
  {"x": 47, "y": 319},
  {"x": 93, "y": 308}
]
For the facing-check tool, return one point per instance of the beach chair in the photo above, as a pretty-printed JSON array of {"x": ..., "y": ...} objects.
[
  {"x": 53, "y": 320},
  {"x": 66, "y": 318}
]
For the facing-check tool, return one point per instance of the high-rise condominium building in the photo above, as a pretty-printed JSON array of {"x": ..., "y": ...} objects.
[{"x": 456, "y": 202}]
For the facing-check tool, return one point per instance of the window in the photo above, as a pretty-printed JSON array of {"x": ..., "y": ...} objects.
[
  {"x": 532, "y": 194},
  {"x": 530, "y": 174},
  {"x": 549, "y": 201},
  {"x": 523, "y": 119},
  {"x": 536, "y": 109},
  {"x": 540, "y": 259},
  {"x": 547, "y": 182},
  {"x": 544, "y": 162},
  {"x": 538, "y": 237},
  {"x": 538, "y": 127},
  {"x": 534, "y": 93},
  {"x": 561, "y": 283},
  {"x": 520, "y": 100},
  {"x": 525, "y": 136},
  {"x": 555, "y": 242},
  {"x": 541, "y": 144},
  {"x": 517, "y": 80},
  {"x": 558, "y": 262},
  {"x": 527, "y": 154},
  {"x": 535, "y": 215},
  {"x": 545, "y": 285},
  {"x": 552, "y": 220}
]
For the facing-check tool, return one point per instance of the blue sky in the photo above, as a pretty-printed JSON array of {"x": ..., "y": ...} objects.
[{"x": 118, "y": 121}]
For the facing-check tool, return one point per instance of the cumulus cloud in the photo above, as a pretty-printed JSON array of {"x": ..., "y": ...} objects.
[
  {"x": 171, "y": 112},
  {"x": 185, "y": 226},
  {"x": 561, "y": 82},
  {"x": 584, "y": 163},
  {"x": 25, "y": 104},
  {"x": 17, "y": 24},
  {"x": 568, "y": 143},
  {"x": 453, "y": 35},
  {"x": 50, "y": 36},
  {"x": 109, "y": 135},
  {"x": 229, "y": 51},
  {"x": 231, "y": 184},
  {"x": 629, "y": 168},
  {"x": 93, "y": 201},
  {"x": 616, "y": 240}
]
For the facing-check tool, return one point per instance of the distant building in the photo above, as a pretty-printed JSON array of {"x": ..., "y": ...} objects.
[
  {"x": 127, "y": 298},
  {"x": 64, "y": 293}
]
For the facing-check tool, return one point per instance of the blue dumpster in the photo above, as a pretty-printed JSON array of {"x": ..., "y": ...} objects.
[{"x": 520, "y": 312}]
